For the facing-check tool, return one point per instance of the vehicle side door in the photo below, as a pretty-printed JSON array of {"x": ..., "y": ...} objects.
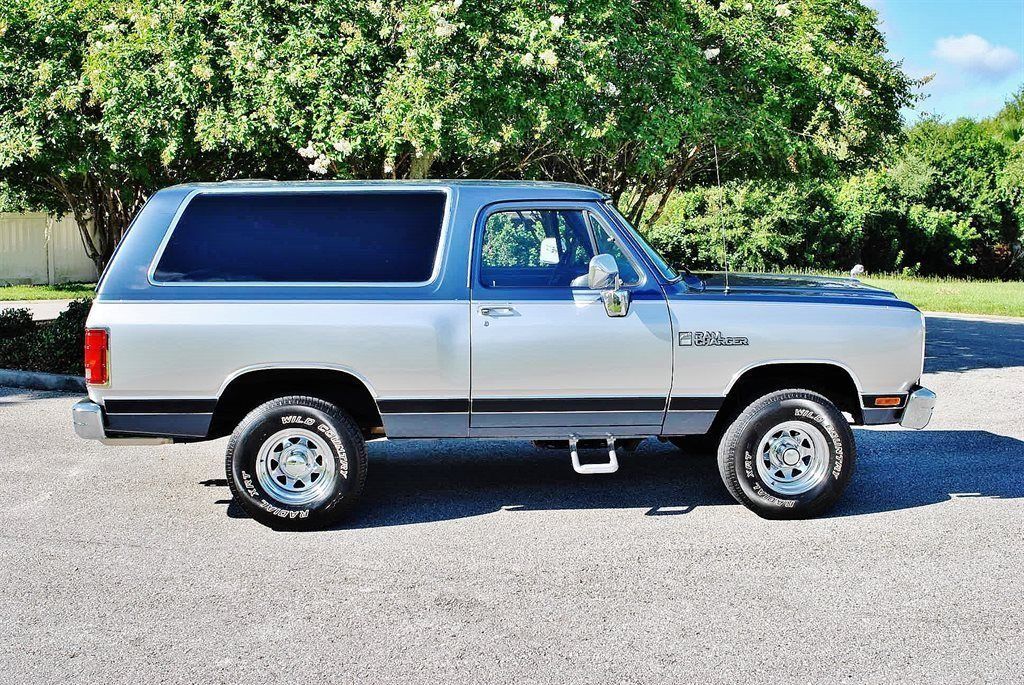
[{"x": 547, "y": 359}]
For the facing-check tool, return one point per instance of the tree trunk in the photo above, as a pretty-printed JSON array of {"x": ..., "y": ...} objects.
[
  {"x": 419, "y": 167},
  {"x": 102, "y": 213}
]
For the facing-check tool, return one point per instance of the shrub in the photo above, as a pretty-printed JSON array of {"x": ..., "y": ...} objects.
[
  {"x": 760, "y": 225},
  {"x": 15, "y": 322},
  {"x": 949, "y": 201},
  {"x": 55, "y": 348}
]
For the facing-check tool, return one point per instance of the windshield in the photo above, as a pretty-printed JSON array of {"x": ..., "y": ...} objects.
[{"x": 667, "y": 271}]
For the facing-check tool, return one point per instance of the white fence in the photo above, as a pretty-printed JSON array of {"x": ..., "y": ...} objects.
[{"x": 39, "y": 249}]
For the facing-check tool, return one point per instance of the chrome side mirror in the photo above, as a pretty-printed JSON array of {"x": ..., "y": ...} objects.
[
  {"x": 616, "y": 302},
  {"x": 603, "y": 275},
  {"x": 603, "y": 272}
]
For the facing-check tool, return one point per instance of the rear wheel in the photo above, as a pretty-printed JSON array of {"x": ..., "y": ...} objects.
[
  {"x": 788, "y": 455},
  {"x": 296, "y": 462}
]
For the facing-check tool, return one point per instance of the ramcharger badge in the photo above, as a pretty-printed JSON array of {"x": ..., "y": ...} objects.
[{"x": 709, "y": 339}]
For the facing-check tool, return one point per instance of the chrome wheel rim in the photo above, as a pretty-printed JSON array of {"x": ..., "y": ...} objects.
[
  {"x": 295, "y": 466},
  {"x": 793, "y": 458}
]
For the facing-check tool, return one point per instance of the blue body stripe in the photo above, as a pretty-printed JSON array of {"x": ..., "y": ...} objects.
[{"x": 678, "y": 293}]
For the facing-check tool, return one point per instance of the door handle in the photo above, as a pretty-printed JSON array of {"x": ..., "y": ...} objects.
[{"x": 498, "y": 311}]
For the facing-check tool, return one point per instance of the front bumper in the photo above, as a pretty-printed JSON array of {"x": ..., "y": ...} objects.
[{"x": 918, "y": 411}]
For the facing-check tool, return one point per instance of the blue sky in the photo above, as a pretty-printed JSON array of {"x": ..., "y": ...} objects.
[{"x": 974, "y": 48}]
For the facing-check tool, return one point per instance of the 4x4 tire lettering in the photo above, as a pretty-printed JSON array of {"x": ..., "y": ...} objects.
[{"x": 247, "y": 482}]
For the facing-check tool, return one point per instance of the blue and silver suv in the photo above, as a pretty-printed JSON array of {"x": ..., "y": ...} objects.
[{"x": 305, "y": 319}]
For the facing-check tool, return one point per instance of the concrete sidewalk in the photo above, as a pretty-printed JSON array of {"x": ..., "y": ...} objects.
[
  {"x": 42, "y": 310},
  {"x": 976, "y": 317}
]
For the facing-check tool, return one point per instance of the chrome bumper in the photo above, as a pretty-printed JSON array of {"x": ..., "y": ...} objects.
[
  {"x": 88, "y": 419},
  {"x": 918, "y": 411},
  {"x": 89, "y": 424}
]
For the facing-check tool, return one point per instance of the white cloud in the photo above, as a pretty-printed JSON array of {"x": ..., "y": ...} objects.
[{"x": 974, "y": 54}]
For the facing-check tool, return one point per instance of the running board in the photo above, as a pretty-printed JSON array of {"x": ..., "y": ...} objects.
[{"x": 611, "y": 466}]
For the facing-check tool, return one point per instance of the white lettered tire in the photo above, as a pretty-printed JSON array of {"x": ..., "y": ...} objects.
[
  {"x": 788, "y": 455},
  {"x": 296, "y": 462}
]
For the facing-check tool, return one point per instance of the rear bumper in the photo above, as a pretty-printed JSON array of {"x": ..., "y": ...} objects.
[
  {"x": 88, "y": 419},
  {"x": 919, "y": 409},
  {"x": 90, "y": 423}
]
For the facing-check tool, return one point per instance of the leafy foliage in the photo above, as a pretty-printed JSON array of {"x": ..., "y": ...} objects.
[
  {"x": 948, "y": 201},
  {"x": 55, "y": 347},
  {"x": 15, "y": 322},
  {"x": 104, "y": 101}
]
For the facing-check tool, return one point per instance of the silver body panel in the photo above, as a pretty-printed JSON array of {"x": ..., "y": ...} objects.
[
  {"x": 400, "y": 350},
  {"x": 688, "y": 421},
  {"x": 882, "y": 348},
  {"x": 565, "y": 349},
  {"x": 543, "y": 368}
]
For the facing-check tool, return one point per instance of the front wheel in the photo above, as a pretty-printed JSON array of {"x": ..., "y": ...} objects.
[
  {"x": 296, "y": 462},
  {"x": 788, "y": 455}
]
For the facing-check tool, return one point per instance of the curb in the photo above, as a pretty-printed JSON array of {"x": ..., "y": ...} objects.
[{"x": 37, "y": 380}]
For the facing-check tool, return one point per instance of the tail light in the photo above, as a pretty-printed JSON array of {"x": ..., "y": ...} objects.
[{"x": 97, "y": 356}]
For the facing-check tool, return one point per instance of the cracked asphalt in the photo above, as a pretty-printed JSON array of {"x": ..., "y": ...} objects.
[{"x": 493, "y": 562}]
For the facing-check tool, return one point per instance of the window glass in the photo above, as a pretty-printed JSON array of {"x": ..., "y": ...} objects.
[
  {"x": 546, "y": 248},
  {"x": 608, "y": 244},
  {"x": 535, "y": 248},
  {"x": 667, "y": 271},
  {"x": 311, "y": 237}
]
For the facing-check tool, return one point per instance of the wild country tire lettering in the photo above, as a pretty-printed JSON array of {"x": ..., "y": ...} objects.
[
  {"x": 836, "y": 442},
  {"x": 328, "y": 433}
]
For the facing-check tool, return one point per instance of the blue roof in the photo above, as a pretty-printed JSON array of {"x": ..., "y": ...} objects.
[{"x": 501, "y": 190}]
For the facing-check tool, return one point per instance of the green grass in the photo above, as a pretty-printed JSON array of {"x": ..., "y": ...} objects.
[
  {"x": 1005, "y": 298},
  {"x": 65, "y": 291}
]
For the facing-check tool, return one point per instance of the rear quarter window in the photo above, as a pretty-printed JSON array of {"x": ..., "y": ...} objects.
[{"x": 295, "y": 237}]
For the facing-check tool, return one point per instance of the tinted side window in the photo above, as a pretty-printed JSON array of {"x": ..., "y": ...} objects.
[
  {"x": 608, "y": 244},
  {"x": 345, "y": 237},
  {"x": 535, "y": 248}
]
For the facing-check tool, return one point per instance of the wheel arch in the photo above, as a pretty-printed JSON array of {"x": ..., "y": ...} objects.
[
  {"x": 249, "y": 388},
  {"x": 833, "y": 379}
]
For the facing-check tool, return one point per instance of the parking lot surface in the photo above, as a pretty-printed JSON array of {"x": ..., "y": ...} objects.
[{"x": 494, "y": 562}]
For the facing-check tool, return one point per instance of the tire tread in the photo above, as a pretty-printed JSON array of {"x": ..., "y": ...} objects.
[
  {"x": 336, "y": 511},
  {"x": 727, "y": 469}
]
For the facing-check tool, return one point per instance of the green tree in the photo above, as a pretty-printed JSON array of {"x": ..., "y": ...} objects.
[
  {"x": 103, "y": 101},
  {"x": 949, "y": 200}
]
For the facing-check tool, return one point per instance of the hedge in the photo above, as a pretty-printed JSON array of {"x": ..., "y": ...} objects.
[{"x": 55, "y": 347}]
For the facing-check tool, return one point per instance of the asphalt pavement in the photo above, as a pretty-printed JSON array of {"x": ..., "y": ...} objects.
[{"x": 493, "y": 562}]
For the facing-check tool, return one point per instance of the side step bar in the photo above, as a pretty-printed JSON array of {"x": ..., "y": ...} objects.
[{"x": 611, "y": 466}]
